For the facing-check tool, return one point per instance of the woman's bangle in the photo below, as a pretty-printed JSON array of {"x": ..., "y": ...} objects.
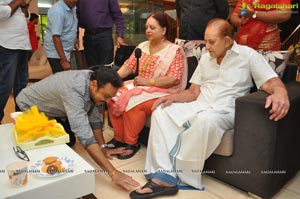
[{"x": 152, "y": 82}]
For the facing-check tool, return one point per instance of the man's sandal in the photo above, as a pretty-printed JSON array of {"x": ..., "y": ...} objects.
[
  {"x": 133, "y": 148},
  {"x": 158, "y": 190}
]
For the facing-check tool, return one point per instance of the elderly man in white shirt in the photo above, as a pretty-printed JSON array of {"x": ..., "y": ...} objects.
[
  {"x": 14, "y": 43},
  {"x": 184, "y": 135}
]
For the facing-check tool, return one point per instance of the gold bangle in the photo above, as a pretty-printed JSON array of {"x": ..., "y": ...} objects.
[{"x": 152, "y": 82}]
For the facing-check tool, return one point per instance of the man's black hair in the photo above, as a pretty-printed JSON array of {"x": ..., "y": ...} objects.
[{"x": 105, "y": 75}]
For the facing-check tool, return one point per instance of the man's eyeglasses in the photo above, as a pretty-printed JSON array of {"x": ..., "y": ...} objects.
[{"x": 20, "y": 153}]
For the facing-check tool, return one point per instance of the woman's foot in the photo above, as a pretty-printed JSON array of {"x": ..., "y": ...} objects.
[
  {"x": 130, "y": 150},
  {"x": 113, "y": 144}
]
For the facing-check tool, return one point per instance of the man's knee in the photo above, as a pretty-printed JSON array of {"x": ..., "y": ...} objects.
[{"x": 157, "y": 112}]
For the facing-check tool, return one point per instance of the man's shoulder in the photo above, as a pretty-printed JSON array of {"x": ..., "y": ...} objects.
[
  {"x": 244, "y": 50},
  {"x": 58, "y": 9},
  {"x": 68, "y": 80},
  {"x": 205, "y": 56}
]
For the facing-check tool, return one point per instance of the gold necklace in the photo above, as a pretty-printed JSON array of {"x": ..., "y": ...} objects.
[{"x": 145, "y": 65}]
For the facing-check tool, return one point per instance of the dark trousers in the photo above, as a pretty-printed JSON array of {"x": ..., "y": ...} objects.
[
  {"x": 13, "y": 75},
  {"x": 55, "y": 65},
  {"x": 66, "y": 125},
  {"x": 98, "y": 46}
]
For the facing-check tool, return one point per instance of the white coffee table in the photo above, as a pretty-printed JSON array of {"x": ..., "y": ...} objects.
[{"x": 71, "y": 185}]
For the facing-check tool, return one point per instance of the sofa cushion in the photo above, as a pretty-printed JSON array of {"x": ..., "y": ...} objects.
[
  {"x": 225, "y": 148},
  {"x": 277, "y": 60},
  {"x": 193, "y": 50}
]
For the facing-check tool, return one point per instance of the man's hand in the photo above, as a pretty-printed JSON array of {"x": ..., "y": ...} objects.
[
  {"x": 163, "y": 101},
  {"x": 65, "y": 64},
  {"x": 120, "y": 41},
  {"x": 77, "y": 44},
  {"x": 110, "y": 152},
  {"x": 280, "y": 104},
  {"x": 125, "y": 181}
]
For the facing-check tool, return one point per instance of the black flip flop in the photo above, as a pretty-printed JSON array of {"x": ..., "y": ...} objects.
[
  {"x": 157, "y": 191},
  {"x": 113, "y": 144},
  {"x": 134, "y": 149}
]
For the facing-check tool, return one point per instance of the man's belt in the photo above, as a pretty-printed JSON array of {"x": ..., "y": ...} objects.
[{"x": 97, "y": 30}]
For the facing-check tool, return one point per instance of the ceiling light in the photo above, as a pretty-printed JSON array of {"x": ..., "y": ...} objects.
[{"x": 44, "y": 5}]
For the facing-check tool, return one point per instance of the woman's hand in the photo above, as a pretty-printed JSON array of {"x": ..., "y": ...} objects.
[
  {"x": 244, "y": 20},
  {"x": 125, "y": 181},
  {"x": 141, "y": 81}
]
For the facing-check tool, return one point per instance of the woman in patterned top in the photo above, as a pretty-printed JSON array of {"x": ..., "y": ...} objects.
[{"x": 162, "y": 70}]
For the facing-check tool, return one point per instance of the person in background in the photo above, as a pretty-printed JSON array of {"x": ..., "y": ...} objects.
[
  {"x": 73, "y": 97},
  {"x": 14, "y": 44},
  {"x": 258, "y": 24},
  {"x": 194, "y": 15},
  {"x": 162, "y": 70},
  {"x": 187, "y": 127},
  {"x": 98, "y": 18},
  {"x": 287, "y": 27},
  {"x": 34, "y": 39},
  {"x": 61, "y": 34}
]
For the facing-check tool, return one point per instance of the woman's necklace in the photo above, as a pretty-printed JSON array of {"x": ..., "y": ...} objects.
[
  {"x": 152, "y": 52},
  {"x": 145, "y": 65}
]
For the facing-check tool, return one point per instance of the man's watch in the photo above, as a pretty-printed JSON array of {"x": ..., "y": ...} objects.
[
  {"x": 254, "y": 15},
  {"x": 104, "y": 146}
]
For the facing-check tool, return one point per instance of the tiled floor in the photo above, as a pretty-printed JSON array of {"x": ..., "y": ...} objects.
[{"x": 214, "y": 189}]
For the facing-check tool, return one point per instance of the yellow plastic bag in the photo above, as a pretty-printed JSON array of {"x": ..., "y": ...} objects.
[{"x": 32, "y": 124}]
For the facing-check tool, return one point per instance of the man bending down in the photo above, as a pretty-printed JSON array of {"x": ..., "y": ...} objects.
[{"x": 72, "y": 98}]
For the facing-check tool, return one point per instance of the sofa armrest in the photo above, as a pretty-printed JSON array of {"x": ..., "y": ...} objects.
[
  {"x": 267, "y": 146},
  {"x": 255, "y": 132}
]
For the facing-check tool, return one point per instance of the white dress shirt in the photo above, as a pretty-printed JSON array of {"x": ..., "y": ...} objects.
[{"x": 222, "y": 84}]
